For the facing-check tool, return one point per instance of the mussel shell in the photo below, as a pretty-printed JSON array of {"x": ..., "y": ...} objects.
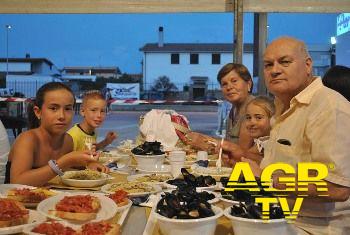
[
  {"x": 276, "y": 212},
  {"x": 206, "y": 196},
  {"x": 208, "y": 180},
  {"x": 254, "y": 211},
  {"x": 172, "y": 201},
  {"x": 166, "y": 211}
]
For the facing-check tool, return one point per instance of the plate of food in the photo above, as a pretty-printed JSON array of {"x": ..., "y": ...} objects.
[
  {"x": 78, "y": 208},
  {"x": 157, "y": 169},
  {"x": 150, "y": 178},
  {"x": 29, "y": 196},
  {"x": 60, "y": 227},
  {"x": 126, "y": 146},
  {"x": 120, "y": 197},
  {"x": 158, "y": 179},
  {"x": 85, "y": 178},
  {"x": 14, "y": 217},
  {"x": 108, "y": 156},
  {"x": 132, "y": 188},
  {"x": 212, "y": 171}
]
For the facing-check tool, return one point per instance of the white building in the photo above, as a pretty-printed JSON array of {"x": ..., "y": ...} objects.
[
  {"x": 195, "y": 65},
  {"x": 27, "y": 75},
  {"x": 104, "y": 72},
  {"x": 189, "y": 64}
]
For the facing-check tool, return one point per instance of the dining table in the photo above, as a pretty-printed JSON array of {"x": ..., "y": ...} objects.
[{"x": 139, "y": 219}]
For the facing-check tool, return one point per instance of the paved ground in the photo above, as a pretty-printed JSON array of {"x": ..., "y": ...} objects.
[{"x": 125, "y": 123}]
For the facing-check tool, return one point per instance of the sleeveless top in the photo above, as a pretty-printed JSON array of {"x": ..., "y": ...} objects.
[{"x": 234, "y": 121}]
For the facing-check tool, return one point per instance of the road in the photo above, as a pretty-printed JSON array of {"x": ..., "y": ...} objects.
[{"x": 126, "y": 123}]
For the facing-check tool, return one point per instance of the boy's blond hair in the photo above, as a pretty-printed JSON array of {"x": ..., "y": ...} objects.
[
  {"x": 92, "y": 94},
  {"x": 265, "y": 103}
]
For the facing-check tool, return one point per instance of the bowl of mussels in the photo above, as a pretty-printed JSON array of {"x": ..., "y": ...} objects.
[
  {"x": 246, "y": 216},
  {"x": 186, "y": 212},
  {"x": 200, "y": 182},
  {"x": 149, "y": 155},
  {"x": 247, "y": 219}
]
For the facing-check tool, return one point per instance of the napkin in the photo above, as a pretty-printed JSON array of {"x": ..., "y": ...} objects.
[
  {"x": 152, "y": 200},
  {"x": 157, "y": 126}
]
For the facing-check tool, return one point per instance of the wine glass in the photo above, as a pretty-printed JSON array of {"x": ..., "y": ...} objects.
[{"x": 89, "y": 141}]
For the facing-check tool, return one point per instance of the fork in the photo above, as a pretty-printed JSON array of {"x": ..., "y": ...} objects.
[{"x": 218, "y": 162}]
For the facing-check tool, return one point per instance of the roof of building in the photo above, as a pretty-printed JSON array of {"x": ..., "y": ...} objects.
[
  {"x": 193, "y": 47},
  {"x": 90, "y": 68},
  {"x": 30, "y": 60}
]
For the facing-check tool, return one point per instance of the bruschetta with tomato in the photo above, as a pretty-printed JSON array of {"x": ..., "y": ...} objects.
[
  {"x": 51, "y": 228},
  {"x": 100, "y": 228},
  {"x": 77, "y": 207},
  {"x": 29, "y": 197},
  {"x": 12, "y": 213},
  {"x": 120, "y": 197}
]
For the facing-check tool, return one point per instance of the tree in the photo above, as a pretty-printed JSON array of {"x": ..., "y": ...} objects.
[{"x": 164, "y": 86}]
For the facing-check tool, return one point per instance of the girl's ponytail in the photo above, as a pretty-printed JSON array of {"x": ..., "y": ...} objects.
[{"x": 33, "y": 121}]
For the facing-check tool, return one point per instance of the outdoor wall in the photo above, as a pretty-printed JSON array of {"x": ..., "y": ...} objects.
[
  {"x": 15, "y": 67},
  {"x": 343, "y": 49},
  {"x": 27, "y": 84},
  {"x": 43, "y": 68},
  {"x": 159, "y": 64}
]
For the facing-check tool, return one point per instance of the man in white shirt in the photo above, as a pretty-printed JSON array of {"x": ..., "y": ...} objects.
[{"x": 311, "y": 124}]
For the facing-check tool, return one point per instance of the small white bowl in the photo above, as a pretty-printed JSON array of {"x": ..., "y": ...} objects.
[
  {"x": 203, "y": 226},
  {"x": 244, "y": 226},
  {"x": 149, "y": 162},
  {"x": 84, "y": 183}
]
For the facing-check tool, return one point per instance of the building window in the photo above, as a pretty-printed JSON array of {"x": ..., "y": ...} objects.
[
  {"x": 215, "y": 59},
  {"x": 175, "y": 59},
  {"x": 194, "y": 58}
]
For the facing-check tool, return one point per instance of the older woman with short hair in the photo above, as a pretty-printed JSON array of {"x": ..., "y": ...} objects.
[{"x": 236, "y": 85}]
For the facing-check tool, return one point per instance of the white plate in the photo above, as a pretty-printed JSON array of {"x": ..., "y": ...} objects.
[
  {"x": 162, "y": 184},
  {"x": 34, "y": 219},
  {"x": 199, "y": 170},
  {"x": 137, "y": 176},
  {"x": 155, "y": 189},
  {"x": 217, "y": 186},
  {"x": 4, "y": 188},
  {"x": 108, "y": 207},
  {"x": 158, "y": 170},
  {"x": 112, "y": 156},
  {"x": 121, "y": 208},
  {"x": 229, "y": 202},
  {"x": 84, "y": 183}
]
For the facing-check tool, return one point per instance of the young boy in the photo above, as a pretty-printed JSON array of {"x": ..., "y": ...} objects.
[{"x": 93, "y": 110}]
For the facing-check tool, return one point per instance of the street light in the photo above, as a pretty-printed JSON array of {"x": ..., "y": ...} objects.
[
  {"x": 333, "y": 44},
  {"x": 8, "y": 27}
]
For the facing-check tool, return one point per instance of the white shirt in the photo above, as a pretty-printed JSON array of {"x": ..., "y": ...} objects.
[{"x": 4, "y": 151}]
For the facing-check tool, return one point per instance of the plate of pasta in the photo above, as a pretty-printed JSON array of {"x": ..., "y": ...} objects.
[
  {"x": 85, "y": 178},
  {"x": 134, "y": 189}
]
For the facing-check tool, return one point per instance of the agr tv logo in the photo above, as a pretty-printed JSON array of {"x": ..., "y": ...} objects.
[{"x": 307, "y": 173}]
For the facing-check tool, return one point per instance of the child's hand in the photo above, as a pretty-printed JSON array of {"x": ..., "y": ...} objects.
[
  {"x": 98, "y": 167},
  {"x": 110, "y": 137},
  {"x": 78, "y": 158},
  {"x": 229, "y": 162}
]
